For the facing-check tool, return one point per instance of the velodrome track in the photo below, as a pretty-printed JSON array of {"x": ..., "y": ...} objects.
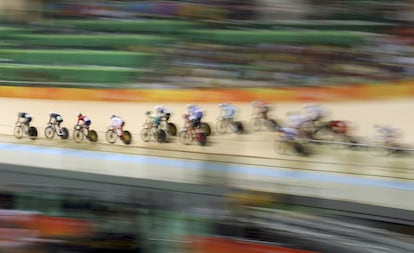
[{"x": 247, "y": 160}]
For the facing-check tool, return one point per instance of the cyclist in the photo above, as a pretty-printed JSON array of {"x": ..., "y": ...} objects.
[
  {"x": 387, "y": 135},
  {"x": 83, "y": 120},
  {"x": 56, "y": 119},
  {"x": 228, "y": 110},
  {"x": 261, "y": 109},
  {"x": 288, "y": 133},
  {"x": 296, "y": 120},
  {"x": 163, "y": 111},
  {"x": 155, "y": 119},
  {"x": 24, "y": 118},
  {"x": 314, "y": 112},
  {"x": 195, "y": 114},
  {"x": 118, "y": 123}
]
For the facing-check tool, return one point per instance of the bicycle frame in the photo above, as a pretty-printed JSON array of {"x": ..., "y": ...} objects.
[
  {"x": 53, "y": 125},
  {"x": 25, "y": 127},
  {"x": 188, "y": 127},
  {"x": 82, "y": 128}
]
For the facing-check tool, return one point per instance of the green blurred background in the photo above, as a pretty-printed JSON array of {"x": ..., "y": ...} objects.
[{"x": 146, "y": 44}]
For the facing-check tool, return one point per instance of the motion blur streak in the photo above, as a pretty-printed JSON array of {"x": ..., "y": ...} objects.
[
  {"x": 71, "y": 156},
  {"x": 208, "y": 51}
]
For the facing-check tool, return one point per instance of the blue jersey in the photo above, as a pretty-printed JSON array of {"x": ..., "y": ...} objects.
[
  {"x": 229, "y": 111},
  {"x": 196, "y": 113}
]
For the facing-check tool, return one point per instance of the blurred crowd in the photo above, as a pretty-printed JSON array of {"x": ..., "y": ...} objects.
[
  {"x": 234, "y": 10},
  {"x": 385, "y": 54},
  {"x": 381, "y": 58}
]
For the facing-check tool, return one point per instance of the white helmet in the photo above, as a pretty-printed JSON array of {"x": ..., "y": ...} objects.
[
  {"x": 113, "y": 116},
  {"x": 158, "y": 108},
  {"x": 78, "y": 114},
  {"x": 190, "y": 106},
  {"x": 50, "y": 113}
]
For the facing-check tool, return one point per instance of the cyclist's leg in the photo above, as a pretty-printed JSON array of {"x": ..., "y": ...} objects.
[
  {"x": 119, "y": 131},
  {"x": 26, "y": 123},
  {"x": 59, "y": 126},
  {"x": 87, "y": 124}
]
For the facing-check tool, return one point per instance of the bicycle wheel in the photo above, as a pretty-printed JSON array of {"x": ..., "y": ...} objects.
[
  {"x": 172, "y": 129},
  {"x": 271, "y": 125},
  {"x": 185, "y": 138},
  {"x": 239, "y": 127},
  {"x": 298, "y": 149},
  {"x": 110, "y": 136},
  {"x": 206, "y": 128},
  {"x": 49, "y": 132},
  {"x": 126, "y": 137},
  {"x": 161, "y": 136},
  {"x": 65, "y": 133},
  {"x": 323, "y": 132},
  {"x": 221, "y": 126},
  {"x": 281, "y": 147},
  {"x": 92, "y": 136},
  {"x": 77, "y": 135},
  {"x": 256, "y": 124},
  {"x": 353, "y": 142},
  {"x": 18, "y": 132},
  {"x": 145, "y": 134},
  {"x": 32, "y": 132},
  {"x": 202, "y": 139}
]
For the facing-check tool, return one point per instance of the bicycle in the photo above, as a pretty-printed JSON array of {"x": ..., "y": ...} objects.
[
  {"x": 80, "y": 132},
  {"x": 150, "y": 130},
  {"x": 188, "y": 134},
  {"x": 286, "y": 145},
  {"x": 223, "y": 124},
  {"x": 334, "y": 130},
  {"x": 389, "y": 148},
  {"x": 52, "y": 129},
  {"x": 206, "y": 128},
  {"x": 111, "y": 136},
  {"x": 24, "y": 129},
  {"x": 168, "y": 127},
  {"x": 258, "y": 122}
]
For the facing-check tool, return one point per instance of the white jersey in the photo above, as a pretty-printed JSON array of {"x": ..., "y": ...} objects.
[
  {"x": 315, "y": 112},
  {"x": 289, "y": 133},
  {"x": 295, "y": 120},
  {"x": 117, "y": 122}
]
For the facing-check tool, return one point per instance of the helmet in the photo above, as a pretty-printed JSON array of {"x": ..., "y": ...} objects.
[
  {"x": 78, "y": 114},
  {"x": 190, "y": 106},
  {"x": 50, "y": 113},
  {"x": 113, "y": 116},
  {"x": 147, "y": 113}
]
